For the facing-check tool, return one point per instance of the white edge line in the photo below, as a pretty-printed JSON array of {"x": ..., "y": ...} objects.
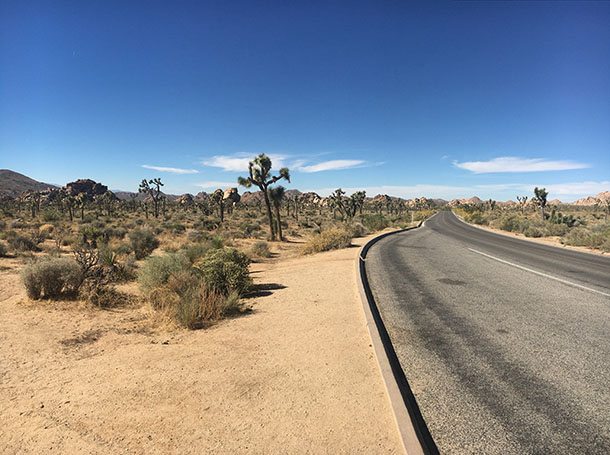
[{"x": 569, "y": 283}]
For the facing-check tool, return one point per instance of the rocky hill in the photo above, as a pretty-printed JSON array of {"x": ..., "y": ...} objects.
[
  {"x": 592, "y": 200},
  {"x": 13, "y": 183}
]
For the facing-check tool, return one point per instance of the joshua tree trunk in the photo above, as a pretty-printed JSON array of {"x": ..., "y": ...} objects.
[
  {"x": 269, "y": 215},
  {"x": 278, "y": 221}
]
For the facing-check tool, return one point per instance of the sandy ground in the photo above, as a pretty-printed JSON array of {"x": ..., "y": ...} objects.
[{"x": 295, "y": 375}]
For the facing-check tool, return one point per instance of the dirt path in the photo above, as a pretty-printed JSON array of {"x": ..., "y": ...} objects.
[{"x": 297, "y": 375}]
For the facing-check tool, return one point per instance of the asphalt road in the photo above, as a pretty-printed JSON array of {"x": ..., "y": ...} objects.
[{"x": 505, "y": 342}]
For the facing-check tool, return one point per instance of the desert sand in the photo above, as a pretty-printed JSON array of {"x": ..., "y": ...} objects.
[{"x": 297, "y": 374}]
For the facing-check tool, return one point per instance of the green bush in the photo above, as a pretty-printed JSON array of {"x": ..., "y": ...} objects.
[
  {"x": 331, "y": 239},
  {"x": 511, "y": 223},
  {"x": 533, "y": 231},
  {"x": 143, "y": 242},
  {"x": 375, "y": 222},
  {"x": 18, "y": 242},
  {"x": 225, "y": 270},
  {"x": 476, "y": 218},
  {"x": 582, "y": 236},
  {"x": 156, "y": 271},
  {"x": 52, "y": 278},
  {"x": 260, "y": 249},
  {"x": 559, "y": 230}
]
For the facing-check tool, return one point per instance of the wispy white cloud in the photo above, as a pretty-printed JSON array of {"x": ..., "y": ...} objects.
[
  {"x": 515, "y": 164},
  {"x": 239, "y": 162},
  {"x": 215, "y": 184},
  {"x": 172, "y": 170},
  {"x": 331, "y": 165}
]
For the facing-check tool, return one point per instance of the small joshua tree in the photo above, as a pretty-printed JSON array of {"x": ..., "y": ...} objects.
[
  {"x": 522, "y": 202},
  {"x": 540, "y": 197},
  {"x": 259, "y": 171},
  {"x": 277, "y": 195},
  {"x": 153, "y": 189}
]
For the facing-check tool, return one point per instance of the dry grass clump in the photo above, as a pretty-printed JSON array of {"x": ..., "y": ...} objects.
[
  {"x": 196, "y": 295},
  {"x": 330, "y": 239},
  {"x": 52, "y": 278},
  {"x": 260, "y": 249}
]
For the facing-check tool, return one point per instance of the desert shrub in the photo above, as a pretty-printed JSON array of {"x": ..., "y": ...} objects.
[
  {"x": 3, "y": 250},
  {"x": 17, "y": 224},
  {"x": 50, "y": 215},
  {"x": 511, "y": 223},
  {"x": 187, "y": 299},
  {"x": 260, "y": 249},
  {"x": 52, "y": 278},
  {"x": 582, "y": 236},
  {"x": 533, "y": 231},
  {"x": 553, "y": 229},
  {"x": 476, "y": 218},
  {"x": 375, "y": 222},
  {"x": 196, "y": 251},
  {"x": 2, "y": 225},
  {"x": 249, "y": 228},
  {"x": 156, "y": 271},
  {"x": 199, "y": 305},
  {"x": 101, "y": 295},
  {"x": 18, "y": 242},
  {"x": 331, "y": 239},
  {"x": 143, "y": 242},
  {"x": 225, "y": 270},
  {"x": 358, "y": 230},
  {"x": 46, "y": 229}
]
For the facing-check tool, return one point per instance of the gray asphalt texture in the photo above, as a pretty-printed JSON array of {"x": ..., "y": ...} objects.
[{"x": 501, "y": 360}]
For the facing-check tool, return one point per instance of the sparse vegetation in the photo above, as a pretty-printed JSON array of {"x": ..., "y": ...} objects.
[
  {"x": 331, "y": 239},
  {"x": 573, "y": 225}
]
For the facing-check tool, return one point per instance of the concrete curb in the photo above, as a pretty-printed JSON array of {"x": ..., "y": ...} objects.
[{"x": 414, "y": 433}]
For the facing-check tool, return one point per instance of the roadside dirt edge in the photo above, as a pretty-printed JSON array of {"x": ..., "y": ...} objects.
[{"x": 414, "y": 433}]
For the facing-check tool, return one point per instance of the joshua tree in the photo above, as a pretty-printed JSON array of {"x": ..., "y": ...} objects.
[
  {"x": 491, "y": 204},
  {"x": 218, "y": 199},
  {"x": 277, "y": 194},
  {"x": 337, "y": 202},
  {"x": 153, "y": 189},
  {"x": 357, "y": 201},
  {"x": 81, "y": 202},
  {"x": 107, "y": 201},
  {"x": 259, "y": 174},
  {"x": 522, "y": 202},
  {"x": 540, "y": 195}
]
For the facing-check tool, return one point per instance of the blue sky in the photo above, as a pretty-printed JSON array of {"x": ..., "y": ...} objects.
[{"x": 438, "y": 99}]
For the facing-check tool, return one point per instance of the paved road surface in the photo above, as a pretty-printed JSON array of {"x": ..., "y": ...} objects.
[{"x": 506, "y": 343}]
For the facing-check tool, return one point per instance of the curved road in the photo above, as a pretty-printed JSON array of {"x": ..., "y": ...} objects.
[{"x": 505, "y": 342}]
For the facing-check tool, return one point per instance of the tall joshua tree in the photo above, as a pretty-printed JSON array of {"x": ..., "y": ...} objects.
[
  {"x": 217, "y": 198},
  {"x": 259, "y": 171},
  {"x": 277, "y": 194},
  {"x": 153, "y": 189},
  {"x": 540, "y": 195}
]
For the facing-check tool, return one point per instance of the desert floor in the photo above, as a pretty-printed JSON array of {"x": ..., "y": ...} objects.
[{"x": 297, "y": 374}]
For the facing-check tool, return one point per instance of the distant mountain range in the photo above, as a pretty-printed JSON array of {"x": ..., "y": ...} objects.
[{"x": 14, "y": 184}]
